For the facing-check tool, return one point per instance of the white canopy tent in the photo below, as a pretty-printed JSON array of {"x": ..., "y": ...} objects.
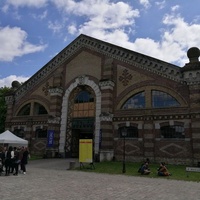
[{"x": 9, "y": 138}]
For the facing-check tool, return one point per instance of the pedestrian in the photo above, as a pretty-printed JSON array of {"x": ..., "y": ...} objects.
[
  {"x": 9, "y": 156},
  {"x": 16, "y": 161},
  {"x": 2, "y": 157},
  {"x": 24, "y": 160}
]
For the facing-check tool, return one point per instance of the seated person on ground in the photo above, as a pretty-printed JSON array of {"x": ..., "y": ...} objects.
[
  {"x": 146, "y": 161},
  {"x": 162, "y": 170},
  {"x": 145, "y": 169}
]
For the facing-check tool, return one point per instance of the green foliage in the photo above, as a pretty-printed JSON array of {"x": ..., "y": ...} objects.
[
  {"x": 178, "y": 171},
  {"x": 3, "y": 107}
]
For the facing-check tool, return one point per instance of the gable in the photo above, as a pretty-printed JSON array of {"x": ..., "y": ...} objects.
[
  {"x": 127, "y": 77},
  {"x": 106, "y": 49},
  {"x": 84, "y": 63}
]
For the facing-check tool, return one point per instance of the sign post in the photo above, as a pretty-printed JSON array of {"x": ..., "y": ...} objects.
[{"x": 85, "y": 152}]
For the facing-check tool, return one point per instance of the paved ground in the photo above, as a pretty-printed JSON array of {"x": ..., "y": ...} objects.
[{"x": 49, "y": 179}]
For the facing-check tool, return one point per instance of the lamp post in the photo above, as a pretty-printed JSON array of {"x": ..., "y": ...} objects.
[{"x": 124, "y": 134}]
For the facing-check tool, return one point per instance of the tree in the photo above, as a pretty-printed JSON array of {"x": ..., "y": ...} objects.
[{"x": 3, "y": 107}]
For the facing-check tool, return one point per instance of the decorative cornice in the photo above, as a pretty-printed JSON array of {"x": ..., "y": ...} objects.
[
  {"x": 56, "y": 91},
  {"x": 158, "y": 117},
  {"x": 133, "y": 58},
  {"x": 9, "y": 99},
  {"x": 106, "y": 84},
  {"x": 53, "y": 120},
  {"x": 81, "y": 80},
  {"x": 108, "y": 117}
]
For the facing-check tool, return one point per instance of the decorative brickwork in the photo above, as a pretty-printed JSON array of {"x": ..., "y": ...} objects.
[{"x": 113, "y": 75}]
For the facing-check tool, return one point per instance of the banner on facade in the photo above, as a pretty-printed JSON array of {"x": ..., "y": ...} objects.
[
  {"x": 85, "y": 151},
  {"x": 50, "y": 138}
]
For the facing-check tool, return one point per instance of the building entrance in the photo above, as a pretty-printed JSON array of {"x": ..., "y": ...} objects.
[{"x": 81, "y": 129}]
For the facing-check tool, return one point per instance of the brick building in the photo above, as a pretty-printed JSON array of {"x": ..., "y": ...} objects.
[{"x": 94, "y": 89}]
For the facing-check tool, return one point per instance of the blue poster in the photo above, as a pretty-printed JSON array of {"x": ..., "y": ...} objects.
[{"x": 50, "y": 138}]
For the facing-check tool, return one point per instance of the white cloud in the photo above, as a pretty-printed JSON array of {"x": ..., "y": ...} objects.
[
  {"x": 55, "y": 26},
  {"x": 160, "y": 4},
  {"x": 175, "y": 8},
  {"x": 101, "y": 17},
  {"x": 177, "y": 37},
  {"x": 40, "y": 16},
  {"x": 28, "y": 3},
  {"x": 14, "y": 43},
  {"x": 145, "y": 3},
  {"x": 109, "y": 15},
  {"x": 8, "y": 80},
  {"x": 72, "y": 29}
]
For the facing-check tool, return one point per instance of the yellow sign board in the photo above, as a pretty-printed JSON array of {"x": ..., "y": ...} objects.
[{"x": 85, "y": 150}]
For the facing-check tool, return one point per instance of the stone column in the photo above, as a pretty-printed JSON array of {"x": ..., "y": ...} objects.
[
  {"x": 106, "y": 144},
  {"x": 54, "y": 117}
]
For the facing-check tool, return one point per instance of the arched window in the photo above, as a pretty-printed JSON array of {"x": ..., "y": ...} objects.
[
  {"x": 135, "y": 101},
  {"x": 39, "y": 109},
  {"x": 172, "y": 132},
  {"x": 163, "y": 100},
  {"x": 132, "y": 132},
  {"x": 84, "y": 105},
  {"x": 25, "y": 110},
  {"x": 84, "y": 96}
]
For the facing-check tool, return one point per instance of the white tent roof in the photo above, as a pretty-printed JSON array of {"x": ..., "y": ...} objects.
[{"x": 10, "y": 138}]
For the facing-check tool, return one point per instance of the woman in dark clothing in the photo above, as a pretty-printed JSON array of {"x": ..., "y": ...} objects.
[
  {"x": 9, "y": 156},
  {"x": 24, "y": 160},
  {"x": 16, "y": 161}
]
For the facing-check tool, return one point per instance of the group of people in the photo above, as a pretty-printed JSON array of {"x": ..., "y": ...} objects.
[
  {"x": 13, "y": 160},
  {"x": 161, "y": 171}
]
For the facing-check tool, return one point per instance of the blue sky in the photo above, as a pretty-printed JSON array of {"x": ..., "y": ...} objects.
[{"x": 32, "y": 32}]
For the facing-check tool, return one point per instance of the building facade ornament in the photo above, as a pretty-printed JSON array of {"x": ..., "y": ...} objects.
[
  {"x": 55, "y": 91},
  {"x": 9, "y": 99},
  {"x": 106, "y": 116},
  {"x": 106, "y": 84}
]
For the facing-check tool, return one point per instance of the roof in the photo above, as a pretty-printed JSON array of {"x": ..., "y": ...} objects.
[
  {"x": 136, "y": 59},
  {"x": 10, "y": 138}
]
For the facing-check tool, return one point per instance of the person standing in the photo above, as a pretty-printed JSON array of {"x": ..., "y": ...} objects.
[
  {"x": 9, "y": 156},
  {"x": 16, "y": 161},
  {"x": 24, "y": 160}
]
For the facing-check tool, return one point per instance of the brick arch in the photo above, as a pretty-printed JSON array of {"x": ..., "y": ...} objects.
[
  {"x": 81, "y": 80},
  {"x": 148, "y": 89},
  {"x": 43, "y": 103}
]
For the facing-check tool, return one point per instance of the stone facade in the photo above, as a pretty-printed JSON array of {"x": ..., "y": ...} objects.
[{"x": 112, "y": 75}]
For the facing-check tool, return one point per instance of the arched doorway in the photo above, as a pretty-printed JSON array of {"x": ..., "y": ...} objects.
[{"x": 80, "y": 119}]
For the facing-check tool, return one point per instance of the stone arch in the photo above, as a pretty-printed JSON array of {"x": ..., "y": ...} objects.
[{"x": 81, "y": 80}]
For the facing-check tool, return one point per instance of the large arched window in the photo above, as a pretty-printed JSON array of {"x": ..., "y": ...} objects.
[
  {"x": 39, "y": 109},
  {"x": 172, "y": 131},
  {"x": 132, "y": 132},
  {"x": 84, "y": 105},
  {"x": 25, "y": 110},
  {"x": 135, "y": 101},
  {"x": 162, "y": 100}
]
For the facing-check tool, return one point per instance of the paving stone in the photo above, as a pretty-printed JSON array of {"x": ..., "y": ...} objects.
[{"x": 49, "y": 179}]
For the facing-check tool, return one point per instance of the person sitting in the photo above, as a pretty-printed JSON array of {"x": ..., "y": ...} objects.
[
  {"x": 146, "y": 161},
  {"x": 162, "y": 170},
  {"x": 145, "y": 169}
]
